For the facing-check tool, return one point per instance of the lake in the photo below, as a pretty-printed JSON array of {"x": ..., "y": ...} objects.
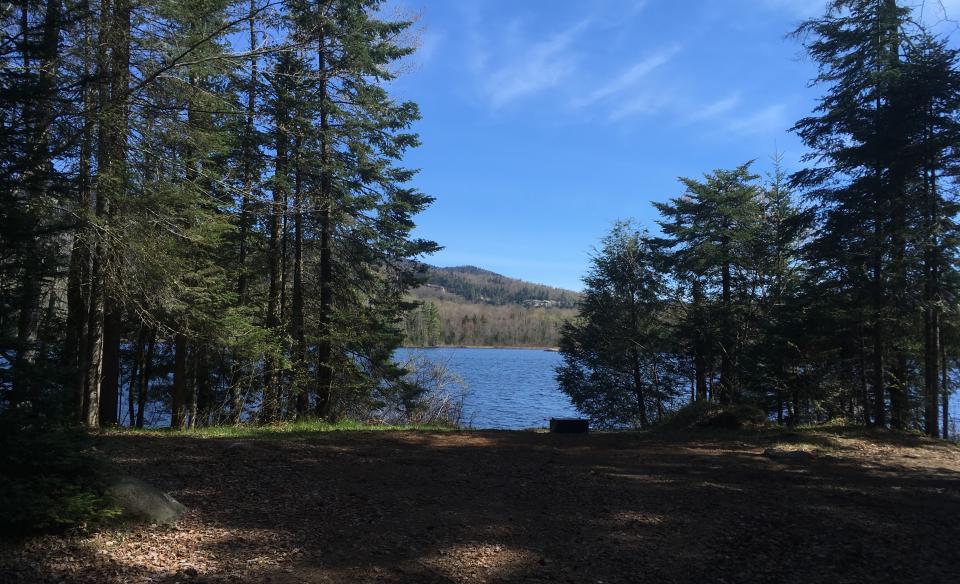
[{"x": 507, "y": 388}]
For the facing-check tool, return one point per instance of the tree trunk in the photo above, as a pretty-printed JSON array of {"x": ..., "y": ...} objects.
[
  {"x": 271, "y": 394},
  {"x": 638, "y": 387},
  {"x": 90, "y": 410},
  {"x": 944, "y": 387},
  {"x": 324, "y": 344},
  {"x": 191, "y": 409},
  {"x": 93, "y": 361},
  {"x": 726, "y": 351},
  {"x": 78, "y": 285},
  {"x": 248, "y": 163},
  {"x": 38, "y": 117},
  {"x": 879, "y": 406},
  {"x": 179, "y": 393},
  {"x": 110, "y": 381},
  {"x": 864, "y": 392},
  {"x": 296, "y": 313},
  {"x": 932, "y": 377},
  {"x": 136, "y": 366},
  {"x": 932, "y": 296},
  {"x": 204, "y": 398},
  {"x": 115, "y": 150},
  {"x": 699, "y": 349},
  {"x": 635, "y": 361},
  {"x": 145, "y": 373},
  {"x": 898, "y": 392}
]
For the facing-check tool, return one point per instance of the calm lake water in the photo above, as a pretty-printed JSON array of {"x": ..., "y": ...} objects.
[{"x": 507, "y": 388}]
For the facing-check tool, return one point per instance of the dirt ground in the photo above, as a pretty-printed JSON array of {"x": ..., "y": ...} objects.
[{"x": 525, "y": 507}]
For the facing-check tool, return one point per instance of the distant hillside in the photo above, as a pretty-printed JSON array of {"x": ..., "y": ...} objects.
[
  {"x": 481, "y": 286},
  {"x": 470, "y": 306}
]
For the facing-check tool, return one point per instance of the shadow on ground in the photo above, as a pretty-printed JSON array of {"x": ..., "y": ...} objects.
[{"x": 523, "y": 506}]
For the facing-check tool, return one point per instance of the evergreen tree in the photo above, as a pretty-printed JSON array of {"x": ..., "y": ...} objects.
[
  {"x": 360, "y": 209},
  {"x": 616, "y": 367},
  {"x": 709, "y": 230},
  {"x": 873, "y": 182}
]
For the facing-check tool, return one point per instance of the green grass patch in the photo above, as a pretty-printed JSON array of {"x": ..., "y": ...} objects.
[{"x": 283, "y": 429}]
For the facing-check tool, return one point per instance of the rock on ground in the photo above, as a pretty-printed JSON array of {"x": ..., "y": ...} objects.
[{"x": 137, "y": 498}]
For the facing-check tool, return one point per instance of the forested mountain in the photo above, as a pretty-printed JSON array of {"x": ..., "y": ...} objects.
[
  {"x": 469, "y": 306},
  {"x": 482, "y": 286}
]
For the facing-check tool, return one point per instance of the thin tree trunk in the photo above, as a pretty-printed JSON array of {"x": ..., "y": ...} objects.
[
  {"x": 898, "y": 392},
  {"x": 90, "y": 411},
  {"x": 78, "y": 287},
  {"x": 864, "y": 391},
  {"x": 932, "y": 298},
  {"x": 192, "y": 391},
  {"x": 324, "y": 344},
  {"x": 880, "y": 416},
  {"x": 944, "y": 388},
  {"x": 201, "y": 410},
  {"x": 726, "y": 351},
  {"x": 248, "y": 163},
  {"x": 145, "y": 374},
  {"x": 110, "y": 381},
  {"x": 297, "y": 316},
  {"x": 635, "y": 362},
  {"x": 116, "y": 144},
  {"x": 39, "y": 117},
  {"x": 699, "y": 349},
  {"x": 881, "y": 210},
  {"x": 271, "y": 395},
  {"x": 931, "y": 422},
  {"x": 136, "y": 366},
  {"x": 638, "y": 387},
  {"x": 179, "y": 393}
]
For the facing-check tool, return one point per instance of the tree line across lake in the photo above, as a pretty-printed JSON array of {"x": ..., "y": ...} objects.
[
  {"x": 468, "y": 306},
  {"x": 455, "y": 324},
  {"x": 828, "y": 293}
]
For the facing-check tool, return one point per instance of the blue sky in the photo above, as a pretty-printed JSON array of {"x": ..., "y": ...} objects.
[{"x": 544, "y": 121}]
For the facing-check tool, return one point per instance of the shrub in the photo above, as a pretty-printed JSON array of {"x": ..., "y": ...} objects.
[
  {"x": 50, "y": 479},
  {"x": 704, "y": 414}
]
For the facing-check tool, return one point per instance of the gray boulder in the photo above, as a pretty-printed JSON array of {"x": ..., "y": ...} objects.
[{"x": 142, "y": 500}]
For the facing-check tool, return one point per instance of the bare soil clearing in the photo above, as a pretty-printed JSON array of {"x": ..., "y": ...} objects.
[{"x": 522, "y": 506}]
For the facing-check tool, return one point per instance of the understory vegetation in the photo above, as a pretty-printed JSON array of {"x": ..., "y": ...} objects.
[{"x": 50, "y": 477}]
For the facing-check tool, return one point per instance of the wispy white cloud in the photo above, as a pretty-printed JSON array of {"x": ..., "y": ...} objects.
[
  {"x": 714, "y": 109},
  {"x": 646, "y": 103},
  {"x": 540, "y": 65},
  {"x": 629, "y": 78},
  {"x": 769, "y": 120}
]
